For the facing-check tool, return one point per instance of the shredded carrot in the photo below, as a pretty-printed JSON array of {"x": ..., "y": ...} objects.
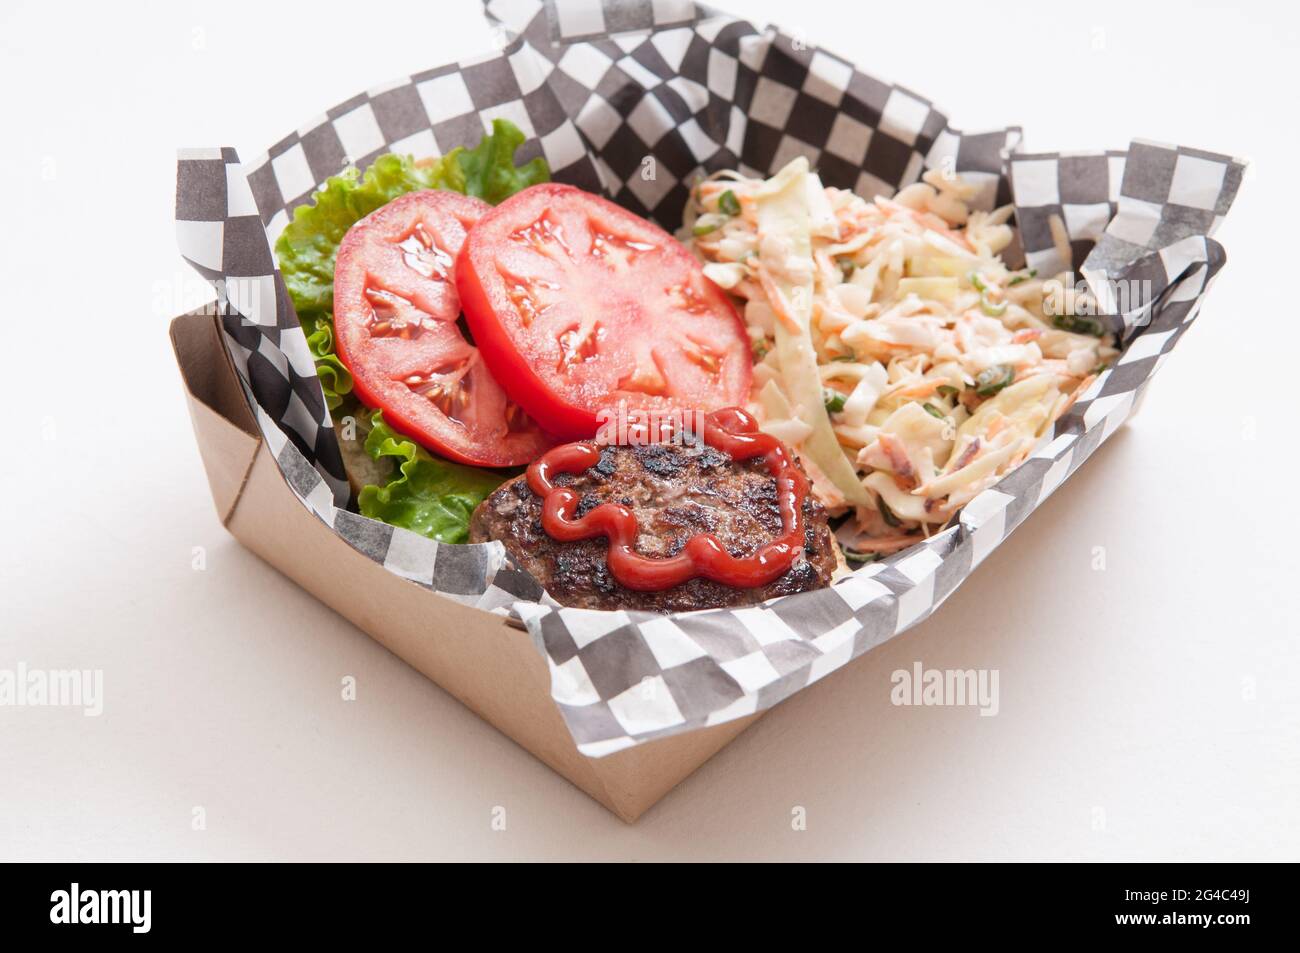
[
  {"x": 919, "y": 390},
  {"x": 1075, "y": 394},
  {"x": 899, "y": 461},
  {"x": 883, "y": 544},
  {"x": 926, "y": 220},
  {"x": 777, "y": 300}
]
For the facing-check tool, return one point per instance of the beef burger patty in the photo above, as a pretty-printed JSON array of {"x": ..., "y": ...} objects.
[{"x": 676, "y": 492}]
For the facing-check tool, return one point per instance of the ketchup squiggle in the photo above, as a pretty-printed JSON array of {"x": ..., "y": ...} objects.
[{"x": 731, "y": 431}]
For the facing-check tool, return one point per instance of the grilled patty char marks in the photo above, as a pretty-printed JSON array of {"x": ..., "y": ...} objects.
[{"x": 675, "y": 492}]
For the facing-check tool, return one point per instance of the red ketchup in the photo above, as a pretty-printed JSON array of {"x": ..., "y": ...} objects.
[{"x": 731, "y": 431}]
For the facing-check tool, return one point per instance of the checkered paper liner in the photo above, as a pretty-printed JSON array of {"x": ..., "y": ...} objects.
[{"x": 636, "y": 99}]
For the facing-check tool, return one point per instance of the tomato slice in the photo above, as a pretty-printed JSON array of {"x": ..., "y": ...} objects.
[
  {"x": 578, "y": 304},
  {"x": 395, "y": 325}
]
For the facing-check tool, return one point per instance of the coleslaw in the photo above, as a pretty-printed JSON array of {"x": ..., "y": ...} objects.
[{"x": 894, "y": 350}]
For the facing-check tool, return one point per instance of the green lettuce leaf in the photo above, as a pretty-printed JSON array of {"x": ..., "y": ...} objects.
[
  {"x": 431, "y": 496},
  {"x": 488, "y": 171},
  {"x": 335, "y": 378},
  {"x": 308, "y": 244},
  {"x": 306, "y": 251}
]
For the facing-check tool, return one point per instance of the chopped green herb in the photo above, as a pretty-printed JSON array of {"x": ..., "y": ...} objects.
[
  {"x": 834, "y": 400},
  {"x": 1079, "y": 325},
  {"x": 978, "y": 281},
  {"x": 947, "y": 390},
  {"x": 728, "y": 204},
  {"x": 934, "y": 411},
  {"x": 992, "y": 379},
  {"x": 994, "y": 309},
  {"x": 886, "y": 513},
  {"x": 1022, "y": 276},
  {"x": 846, "y": 358},
  {"x": 856, "y": 557}
]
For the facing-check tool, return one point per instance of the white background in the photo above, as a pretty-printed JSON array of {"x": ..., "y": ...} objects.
[{"x": 1148, "y": 710}]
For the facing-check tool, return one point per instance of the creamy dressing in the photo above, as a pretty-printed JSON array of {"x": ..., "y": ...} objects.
[{"x": 907, "y": 365}]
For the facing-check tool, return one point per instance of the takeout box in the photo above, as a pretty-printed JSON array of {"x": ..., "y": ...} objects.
[
  {"x": 485, "y": 661},
  {"x": 633, "y": 100}
]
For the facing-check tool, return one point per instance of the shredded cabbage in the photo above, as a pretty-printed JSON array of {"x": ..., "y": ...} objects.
[{"x": 945, "y": 367}]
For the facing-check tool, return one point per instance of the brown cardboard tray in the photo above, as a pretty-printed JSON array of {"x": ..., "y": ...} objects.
[{"x": 488, "y": 664}]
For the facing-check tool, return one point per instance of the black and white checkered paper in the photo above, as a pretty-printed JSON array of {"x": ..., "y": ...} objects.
[{"x": 636, "y": 99}]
